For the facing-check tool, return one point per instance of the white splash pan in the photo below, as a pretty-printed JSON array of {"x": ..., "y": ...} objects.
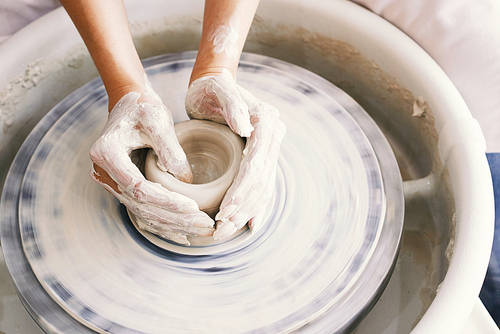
[{"x": 50, "y": 41}]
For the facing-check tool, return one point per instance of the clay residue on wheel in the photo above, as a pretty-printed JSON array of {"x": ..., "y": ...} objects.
[
  {"x": 13, "y": 92},
  {"x": 33, "y": 92}
]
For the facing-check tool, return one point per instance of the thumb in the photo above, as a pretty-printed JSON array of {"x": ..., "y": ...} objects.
[
  {"x": 171, "y": 157},
  {"x": 158, "y": 126},
  {"x": 234, "y": 108}
]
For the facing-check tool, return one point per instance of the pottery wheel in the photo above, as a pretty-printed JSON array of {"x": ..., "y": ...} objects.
[{"x": 318, "y": 264}]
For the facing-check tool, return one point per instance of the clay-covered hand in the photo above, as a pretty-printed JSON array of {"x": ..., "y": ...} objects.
[
  {"x": 139, "y": 120},
  {"x": 220, "y": 99}
]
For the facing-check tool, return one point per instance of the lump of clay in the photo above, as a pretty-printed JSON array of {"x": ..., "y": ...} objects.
[{"x": 214, "y": 153}]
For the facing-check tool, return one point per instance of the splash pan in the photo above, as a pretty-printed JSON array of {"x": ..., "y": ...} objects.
[{"x": 319, "y": 263}]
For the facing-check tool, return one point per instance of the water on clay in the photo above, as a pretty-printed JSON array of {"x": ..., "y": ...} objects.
[{"x": 321, "y": 232}]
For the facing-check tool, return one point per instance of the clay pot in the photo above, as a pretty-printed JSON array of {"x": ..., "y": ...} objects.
[{"x": 214, "y": 153}]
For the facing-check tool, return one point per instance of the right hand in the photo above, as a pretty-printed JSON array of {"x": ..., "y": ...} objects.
[
  {"x": 219, "y": 98},
  {"x": 139, "y": 120}
]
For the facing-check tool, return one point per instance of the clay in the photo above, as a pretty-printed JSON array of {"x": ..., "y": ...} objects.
[
  {"x": 214, "y": 153},
  {"x": 76, "y": 235},
  {"x": 224, "y": 39}
]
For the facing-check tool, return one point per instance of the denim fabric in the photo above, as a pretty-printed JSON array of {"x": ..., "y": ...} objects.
[{"x": 490, "y": 292}]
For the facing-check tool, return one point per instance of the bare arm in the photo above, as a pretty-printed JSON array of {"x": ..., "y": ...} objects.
[
  {"x": 225, "y": 28},
  {"x": 214, "y": 94},
  {"x": 104, "y": 28},
  {"x": 138, "y": 118}
]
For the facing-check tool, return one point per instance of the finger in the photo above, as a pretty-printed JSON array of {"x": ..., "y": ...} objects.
[
  {"x": 224, "y": 230},
  {"x": 116, "y": 169},
  {"x": 171, "y": 157},
  {"x": 258, "y": 204},
  {"x": 257, "y": 222},
  {"x": 251, "y": 168},
  {"x": 159, "y": 127},
  {"x": 150, "y": 200},
  {"x": 251, "y": 212},
  {"x": 197, "y": 219},
  {"x": 263, "y": 113},
  {"x": 241, "y": 207},
  {"x": 170, "y": 225},
  {"x": 162, "y": 228},
  {"x": 156, "y": 195},
  {"x": 177, "y": 237},
  {"x": 115, "y": 161},
  {"x": 255, "y": 201},
  {"x": 234, "y": 108},
  {"x": 111, "y": 152},
  {"x": 226, "y": 211},
  {"x": 241, "y": 217},
  {"x": 247, "y": 194}
]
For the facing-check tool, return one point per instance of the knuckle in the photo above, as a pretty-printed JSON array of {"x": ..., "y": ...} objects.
[
  {"x": 138, "y": 192},
  {"x": 96, "y": 151}
]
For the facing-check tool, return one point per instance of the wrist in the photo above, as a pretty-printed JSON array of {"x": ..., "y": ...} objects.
[
  {"x": 120, "y": 80},
  {"x": 210, "y": 71},
  {"x": 208, "y": 64},
  {"x": 116, "y": 92}
]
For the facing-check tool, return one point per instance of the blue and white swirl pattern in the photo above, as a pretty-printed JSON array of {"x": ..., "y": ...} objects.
[{"x": 323, "y": 225}]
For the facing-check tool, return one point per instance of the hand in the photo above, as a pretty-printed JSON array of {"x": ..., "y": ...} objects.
[
  {"x": 139, "y": 120},
  {"x": 220, "y": 99}
]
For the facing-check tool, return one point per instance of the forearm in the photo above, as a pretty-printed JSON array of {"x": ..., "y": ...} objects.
[
  {"x": 225, "y": 28},
  {"x": 104, "y": 28}
]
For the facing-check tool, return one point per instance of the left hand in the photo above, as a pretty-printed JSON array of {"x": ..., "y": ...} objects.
[
  {"x": 140, "y": 119},
  {"x": 218, "y": 98}
]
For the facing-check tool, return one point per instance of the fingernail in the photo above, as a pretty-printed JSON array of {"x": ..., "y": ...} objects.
[
  {"x": 239, "y": 219},
  {"x": 226, "y": 212},
  {"x": 204, "y": 221},
  {"x": 185, "y": 176},
  {"x": 183, "y": 172}
]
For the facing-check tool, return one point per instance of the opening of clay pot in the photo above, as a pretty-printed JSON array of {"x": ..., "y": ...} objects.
[
  {"x": 214, "y": 153},
  {"x": 208, "y": 156}
]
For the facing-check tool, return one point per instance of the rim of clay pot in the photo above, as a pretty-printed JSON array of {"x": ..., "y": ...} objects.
[
  {"x": 228, "y": 145},
  {"x": 210, "y": 194}
]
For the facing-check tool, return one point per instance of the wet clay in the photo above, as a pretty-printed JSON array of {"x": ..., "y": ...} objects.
[{"x": 214, "y": 154}]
